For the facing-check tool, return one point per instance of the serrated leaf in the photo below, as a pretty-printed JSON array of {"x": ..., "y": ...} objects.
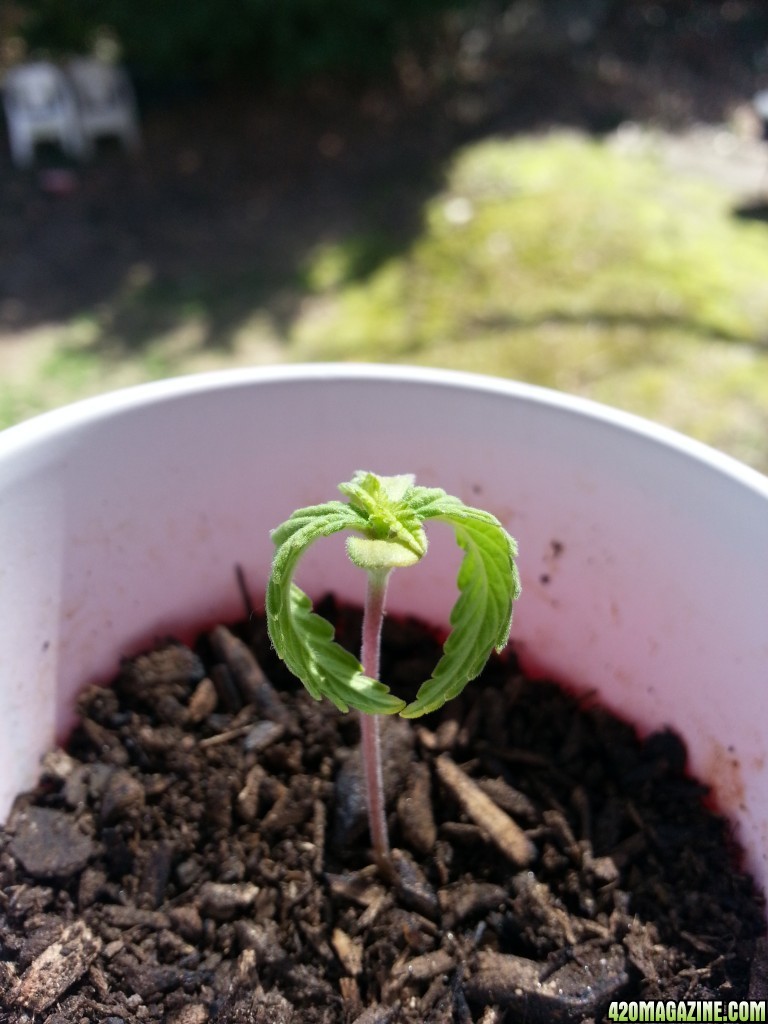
[
  {"x": 305, "y": 640},
  {"x": 481, "y": 619},
  {"x": 384, "y": 503}
]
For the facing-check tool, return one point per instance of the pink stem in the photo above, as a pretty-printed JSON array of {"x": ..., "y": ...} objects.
[{"x": 370, "y": 732}]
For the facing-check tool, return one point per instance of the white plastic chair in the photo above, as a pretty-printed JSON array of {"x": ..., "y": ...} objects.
[
  {"x": 105, "y": 101},
  {"x": 40, "y": 106},
  {"x": 760, "y": 107}
]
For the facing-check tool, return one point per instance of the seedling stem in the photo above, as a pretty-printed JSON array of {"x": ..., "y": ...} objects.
[{"x": 370, "y": 725}]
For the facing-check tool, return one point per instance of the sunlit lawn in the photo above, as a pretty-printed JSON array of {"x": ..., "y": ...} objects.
[{"x": 554, "y": 260}]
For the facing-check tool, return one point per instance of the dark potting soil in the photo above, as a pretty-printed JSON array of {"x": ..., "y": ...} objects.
[{"x": 199, "y": 853}]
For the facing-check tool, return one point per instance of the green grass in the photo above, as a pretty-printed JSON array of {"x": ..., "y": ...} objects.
[
  {"x": 561, "y": 262},
  {"x": 555, "y": 260}
]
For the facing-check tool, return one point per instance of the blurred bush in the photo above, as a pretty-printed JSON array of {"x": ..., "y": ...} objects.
[{"x": 277, "y": 41}]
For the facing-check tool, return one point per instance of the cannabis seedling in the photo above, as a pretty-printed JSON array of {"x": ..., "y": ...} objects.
[{"x": 387, "y": 514}]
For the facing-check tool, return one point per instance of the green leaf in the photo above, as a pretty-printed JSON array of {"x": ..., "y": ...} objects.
[
  {"x": 481, "y": 619},
  {"x": 303, "y": 639},
  {"x": 384, "y": 503}
]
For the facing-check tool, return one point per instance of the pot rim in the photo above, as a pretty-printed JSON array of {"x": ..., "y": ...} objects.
[{"x": 87, "y": 411}]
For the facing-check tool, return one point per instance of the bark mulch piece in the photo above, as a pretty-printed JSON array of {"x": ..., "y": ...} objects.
[{"x": 199, "y": 853}]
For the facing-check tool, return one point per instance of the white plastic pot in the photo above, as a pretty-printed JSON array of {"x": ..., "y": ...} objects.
[{"x": 644, "y": 555}]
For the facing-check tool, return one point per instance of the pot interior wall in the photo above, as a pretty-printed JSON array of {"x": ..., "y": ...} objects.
[{"x": 643, "y": 557}]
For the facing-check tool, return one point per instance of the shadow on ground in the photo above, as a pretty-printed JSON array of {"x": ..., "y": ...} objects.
[{"x": 753, "y": 210}]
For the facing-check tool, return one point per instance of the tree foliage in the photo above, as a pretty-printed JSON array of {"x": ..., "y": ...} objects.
[{"x": 278, "y": 41}]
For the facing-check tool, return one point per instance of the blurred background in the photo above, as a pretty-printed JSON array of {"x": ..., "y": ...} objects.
[{"x": 568, "y": 192}]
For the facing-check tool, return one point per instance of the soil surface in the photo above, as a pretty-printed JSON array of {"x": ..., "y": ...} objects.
[{"x": 199, "y": 853}]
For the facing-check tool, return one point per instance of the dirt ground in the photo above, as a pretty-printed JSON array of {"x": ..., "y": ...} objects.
[{"x": 229, "y": 181}]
